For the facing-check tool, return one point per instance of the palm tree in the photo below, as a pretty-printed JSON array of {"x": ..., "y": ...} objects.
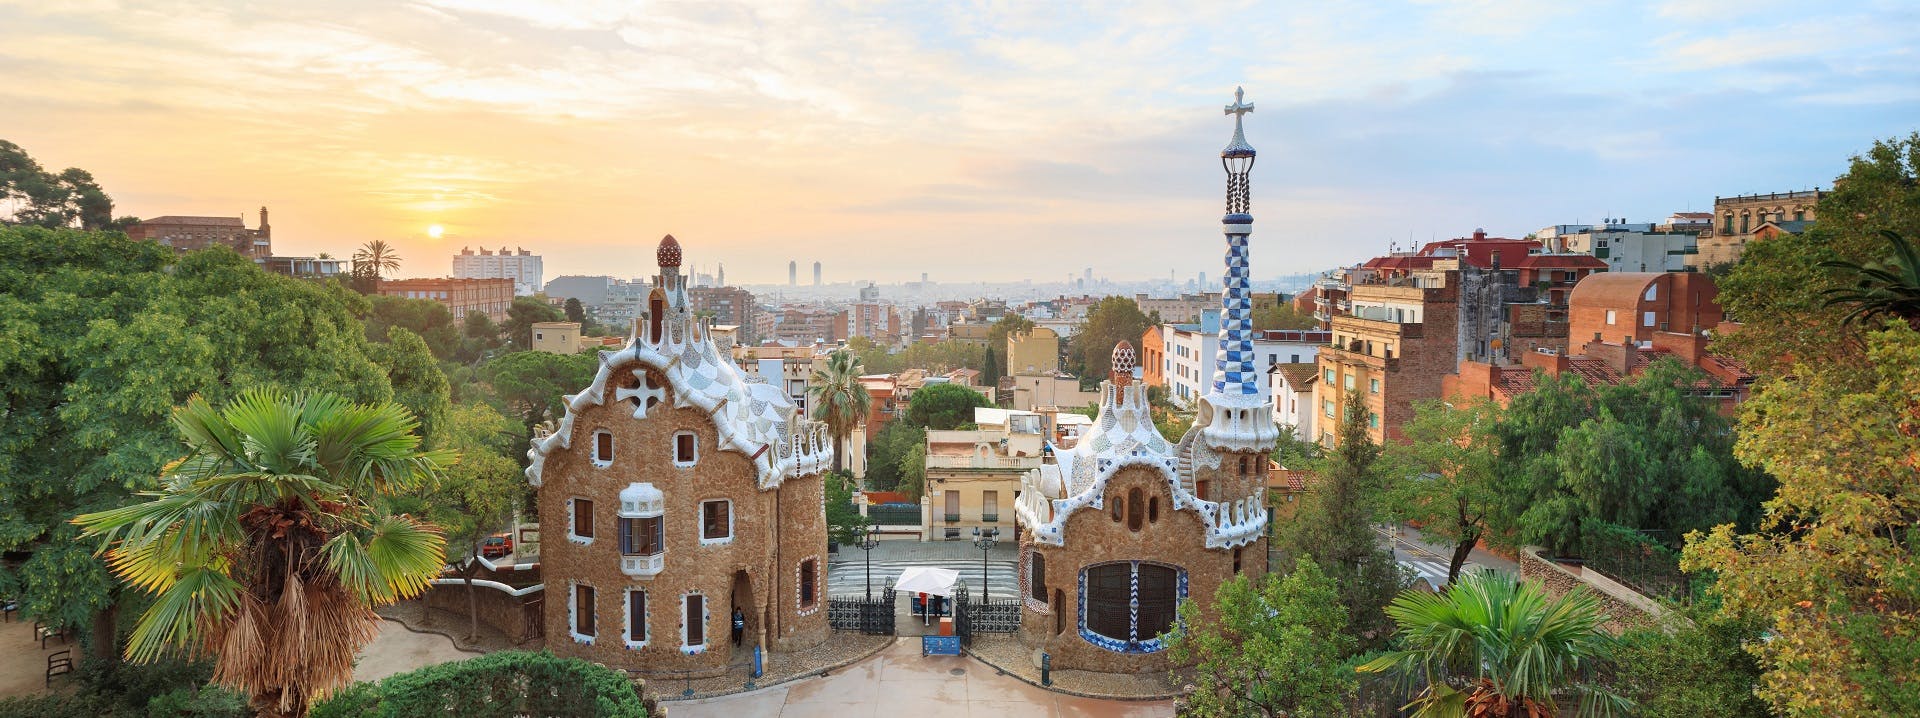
[
  {"x": 268, "y": 545},
  {"x": 839, "y": 399},
  {"x": 377, "y": 258},
  {"x": 1493, "y": 647},
  {"x": 1881, "y": 289}
]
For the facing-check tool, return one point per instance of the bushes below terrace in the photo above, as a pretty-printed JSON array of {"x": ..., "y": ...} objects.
[{"x": 503, "y": 684}]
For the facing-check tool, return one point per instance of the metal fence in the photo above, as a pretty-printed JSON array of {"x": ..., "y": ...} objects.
[
  {"x": 893, "y": 515},
  {"x": 971, "y": 618},
  {"x": 1637, "y": 560},
  {"x": 856, "y": 613}
]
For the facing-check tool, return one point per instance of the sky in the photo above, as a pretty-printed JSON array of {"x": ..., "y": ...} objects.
[{"x": 970, "y": 141}]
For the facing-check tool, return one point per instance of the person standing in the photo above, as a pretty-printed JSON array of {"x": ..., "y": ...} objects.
[{"x": 739, "y": 626}]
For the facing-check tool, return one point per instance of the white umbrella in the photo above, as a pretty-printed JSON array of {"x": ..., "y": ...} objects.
[{"x": 928, "y": 580}]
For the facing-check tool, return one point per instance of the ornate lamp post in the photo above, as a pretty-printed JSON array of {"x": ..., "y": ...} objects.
[
  {"x": 865, "y": 538},
  {"x": 986, "y": 542}
]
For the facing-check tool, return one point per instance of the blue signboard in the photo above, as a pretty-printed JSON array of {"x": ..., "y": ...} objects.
[{"x": 939, "y": 645}]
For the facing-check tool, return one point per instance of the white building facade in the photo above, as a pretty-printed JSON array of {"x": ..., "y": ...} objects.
[
  {"x": 1625, "y": 247},
  {"x": 521, "y": 266}
]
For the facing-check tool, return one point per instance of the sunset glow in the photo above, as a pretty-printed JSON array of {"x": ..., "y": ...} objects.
[{"x": 436, "y": 231}]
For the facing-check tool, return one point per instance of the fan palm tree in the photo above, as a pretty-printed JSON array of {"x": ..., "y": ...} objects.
[
  {"x": 377, "y": 258},
  {"x": 839, "y": 399},
  {"x": 267, "y": 545},
  {"x": 1881, "y": 289},
  {"x": 1493, "y": 647}
]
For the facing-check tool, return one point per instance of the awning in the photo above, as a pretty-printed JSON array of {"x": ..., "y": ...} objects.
[{"x": 925, "y": 579}]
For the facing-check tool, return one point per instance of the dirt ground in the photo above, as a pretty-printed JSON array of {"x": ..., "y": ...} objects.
[{"x": 23, "y": 664}]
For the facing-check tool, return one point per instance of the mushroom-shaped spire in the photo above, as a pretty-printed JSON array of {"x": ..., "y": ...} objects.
[
  {"x": 1123, "y": 363},
  {"x": 669, "y": 254}
]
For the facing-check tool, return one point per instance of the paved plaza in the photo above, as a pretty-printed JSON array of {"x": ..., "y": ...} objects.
[
  {"x": 847, "y": 569},
  {"x": 901, "y": 682}
]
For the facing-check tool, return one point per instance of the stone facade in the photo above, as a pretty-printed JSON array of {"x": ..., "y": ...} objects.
[
  {"x": 1625, "y": 609},
  {"x": 1736, "y": 218},
  {"x": 668, "y": 432}
]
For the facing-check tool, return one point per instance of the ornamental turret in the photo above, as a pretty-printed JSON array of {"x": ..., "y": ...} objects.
[{"x": 1233, "y": 416}]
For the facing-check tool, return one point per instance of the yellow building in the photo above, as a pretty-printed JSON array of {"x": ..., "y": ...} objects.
[
  {"x": 969, "y": 332},
  {"x": 1034, "y": 352},
  {"x": 972, "y": 476},
  {"x": 556, "y": 337}
]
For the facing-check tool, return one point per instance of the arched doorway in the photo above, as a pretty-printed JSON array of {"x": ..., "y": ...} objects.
[{"x": 740, "y": 603}]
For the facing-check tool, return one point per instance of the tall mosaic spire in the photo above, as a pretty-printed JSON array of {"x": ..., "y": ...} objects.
[{"x": 1234, "y": 372}]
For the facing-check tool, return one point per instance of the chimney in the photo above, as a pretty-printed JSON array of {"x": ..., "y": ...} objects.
[
  {"x": 265, "y": 229},
  {"x": 1479, "y": 233}
]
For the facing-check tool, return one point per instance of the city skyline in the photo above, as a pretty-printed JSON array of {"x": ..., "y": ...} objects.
[{"x": 948, "y": 137}]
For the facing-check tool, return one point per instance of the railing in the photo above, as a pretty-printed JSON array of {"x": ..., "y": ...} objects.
[
  {"x": 953, "y": 518},
  {"x": 990, "y": 518},
  {"x": 887, "y": 515},
  {"x": 1634, "y": 559},
  {"x": 856, "y": 613}
]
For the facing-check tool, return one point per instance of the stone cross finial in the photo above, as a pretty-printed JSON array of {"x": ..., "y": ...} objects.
[{"x": 1238, "y": 107}]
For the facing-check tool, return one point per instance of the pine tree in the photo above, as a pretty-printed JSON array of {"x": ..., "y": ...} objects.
[{"x": 1335, "y": 527}]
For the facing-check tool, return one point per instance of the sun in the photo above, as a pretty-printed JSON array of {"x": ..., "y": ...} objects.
[{"x": 436, "y": 231}]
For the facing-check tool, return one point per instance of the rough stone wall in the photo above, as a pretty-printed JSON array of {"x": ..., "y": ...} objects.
[
  {"x": 1558, "y": 580},
  {"x": 506, "y": 614},
  {"x": 643, "y": 453},
  {"x": 1178, "y": 538}
]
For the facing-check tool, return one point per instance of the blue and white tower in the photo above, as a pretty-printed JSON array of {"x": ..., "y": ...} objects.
[{"x": 1233, "y": 417}]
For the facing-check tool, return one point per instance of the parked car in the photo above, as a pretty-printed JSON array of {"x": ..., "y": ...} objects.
[{"x": 496, "y": 545}]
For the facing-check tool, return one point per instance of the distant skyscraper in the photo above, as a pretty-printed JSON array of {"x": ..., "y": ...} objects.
[
  {"x": 793, "y": 273},
  {"x": 923, "y": 277},
  {"x": 816, "y": 274},
  {"x": 723, "y": 274}
]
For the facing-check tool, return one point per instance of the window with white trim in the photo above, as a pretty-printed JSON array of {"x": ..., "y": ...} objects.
[
  {"x": 716, "y": 521},
  {"x": 686, "y": 449},
  {"x": 809, "y": 583},
  {"x": 602, "y": 448},
  {"x": 1646, "y": 319},
  {"x": 580, "y": 520},
  {"x": 582, "y": 623},
  {"x": 1610, "y": 317},
  {"x": 693, "y": 621}
]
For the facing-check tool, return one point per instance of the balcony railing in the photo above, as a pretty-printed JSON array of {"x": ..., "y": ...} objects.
[
  {"x": 643, "y": 565},
  {"x": 953, "y": 518},
  {"x": 990, "y": 518}
]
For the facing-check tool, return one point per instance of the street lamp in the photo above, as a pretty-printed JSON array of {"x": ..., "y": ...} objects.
[
  {"x": 986, "y": 542},
  {"x": 865, "y": 538}
]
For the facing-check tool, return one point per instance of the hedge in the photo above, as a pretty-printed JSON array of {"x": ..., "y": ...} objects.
[{"x": 496, "y": 685}]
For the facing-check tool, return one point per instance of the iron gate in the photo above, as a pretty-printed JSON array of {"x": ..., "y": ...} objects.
[
  {"x": 856, "y": 613},
  {"x": 970, "y": 618}
]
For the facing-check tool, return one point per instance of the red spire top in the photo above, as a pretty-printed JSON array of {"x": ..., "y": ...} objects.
[{"x": 669, "y": 254}]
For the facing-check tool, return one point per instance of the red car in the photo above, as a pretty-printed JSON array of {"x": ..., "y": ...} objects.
[{"x": 496, "y": 546}]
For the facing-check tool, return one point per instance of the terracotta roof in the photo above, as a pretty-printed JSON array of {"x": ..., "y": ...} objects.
[
  {"x": 208, "y": 221},
  {"x": 1611, "y": 289},
  {"x": 1298, "y": 375}
]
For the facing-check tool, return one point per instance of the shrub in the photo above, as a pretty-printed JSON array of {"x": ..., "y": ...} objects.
[{"x": 504, "y": 684}]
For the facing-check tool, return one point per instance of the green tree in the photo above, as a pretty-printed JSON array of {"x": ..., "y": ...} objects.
[
  {"x": 1890, "y": 289},
  {"x": 69, "y": 198},
  {"x": 887, "y": 450},
  {"x": 476, "y": 496},
  {"x": 1492, "y": 646},
  {"x": 1275, "y": 649},
  {"x": 377, "y": 258},
  {"x": 479, "y": 337},
  {"x": 418, "y": 383},
  {"x": 522, "y": 315},
  {"x": 533, "y": 385},
  {"x": 1282, "y": 316},
  {"x": 427, "y": 318},
  {"x": 1111, "y": 321},
  {"x": 1443, "y": 478},
  {"x": 575, "y": 312},
  {"x": 1831, "y": 567},
  {"x": 268, "y": 545},
  {"x": 1693, "y": 664},
  {"x": 843, "y": 517},
  {"x": 913, "y": 471},
  {"x": 100, "y": 337},
  {"x": 839, "y": 399},
  {"x": 943, "y": 406},
  {"x": 1335, "y": 525},
  {"x": 1642, "y": 455},
  {"x": 874, "y": 359},
  {"x": 1779, "y": 288}
]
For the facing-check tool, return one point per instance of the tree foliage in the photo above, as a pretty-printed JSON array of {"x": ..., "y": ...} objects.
[
  {"x": 1282, "y": 316},
  {"x": 1334, "y": 525},
  {"x": 270, "y": 543},
  {"x": 1109, "y": 322},
  {"x": 943, "y": 406},
  {"x": 1493, "y": 646},
  {"x": 429, "y": 319},
  {"x": 887, "y": 450},
  {"x": 1444, "y": 477},
  {"x": 504, "y": 684},
  {"x": 839, "y": 399},
  {"x": 1275, "y": 648},
  {"x": 522, "y": 315},
  {"x": 1831, "y": 568},
  {"x": 533, "y": 384},
  {"x": 1694, "y": 664},
  {"x": 418, "y": 383},
  {"x": 1640, "y": 455},
  {"x": 1779, "y": 288},
  {"x": 100, "y": 337},
  {"x": 68, "y": 198}
]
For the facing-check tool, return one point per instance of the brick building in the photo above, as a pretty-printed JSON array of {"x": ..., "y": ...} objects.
[
  {"x": 1727, "y": 382},
  {"x": 674, "y": 492},
  {"x": 1616, "y": 306},
  {"x": 728, "y": 305},
  {"x": 491, "y": 296},
  {"x": 188, "y": 233},
  {"x": 1392, "y": 351}
]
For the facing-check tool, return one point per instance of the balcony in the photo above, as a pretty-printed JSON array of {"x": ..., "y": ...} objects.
[
  {"x": 990, "y": 518},
  {"x": 643, "y": 566},
  {"x": 953, "y": 518}
]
